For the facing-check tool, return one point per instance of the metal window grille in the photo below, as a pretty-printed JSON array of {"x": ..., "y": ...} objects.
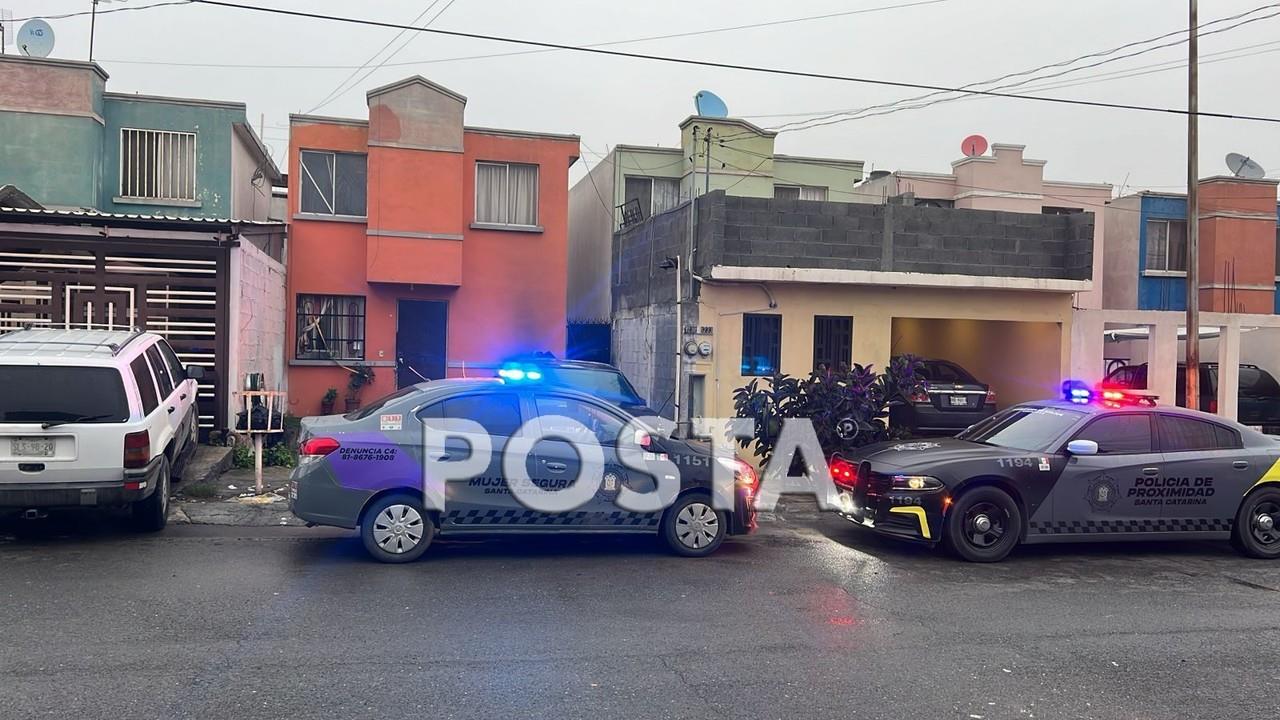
[
  {"x": 631, "y": 212},
  {"x": 330, "y": 327},
  {"x": 157, "y": 164},
  {"x": 832, "y": 341},
  {"x": 761, "y": 344}
]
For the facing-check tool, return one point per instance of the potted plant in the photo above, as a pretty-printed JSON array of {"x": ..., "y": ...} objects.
[
  {"x": 361, "y": 375},
  {"x": 326, "y": 403}
]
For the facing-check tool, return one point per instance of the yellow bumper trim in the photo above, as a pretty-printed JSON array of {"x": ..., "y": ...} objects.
[{"x": 919, "y": 513}]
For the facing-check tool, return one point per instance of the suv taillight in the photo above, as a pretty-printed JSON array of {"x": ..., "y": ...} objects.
[
  {"x": 318, "y": 447},
  {"x": 137, "y": 450}
]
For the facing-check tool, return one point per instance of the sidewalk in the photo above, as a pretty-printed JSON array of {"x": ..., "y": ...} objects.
[{"x": 228, "y": 498}]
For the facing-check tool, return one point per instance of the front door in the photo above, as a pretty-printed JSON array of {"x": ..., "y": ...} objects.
[
  {"x": 420, "y": 341},
  {"x": 559, "y": 464},
  {"x": 1108, "y": 493}
]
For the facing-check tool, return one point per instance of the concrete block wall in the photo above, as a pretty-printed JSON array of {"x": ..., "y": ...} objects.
[{"x": 259, "y": 322}]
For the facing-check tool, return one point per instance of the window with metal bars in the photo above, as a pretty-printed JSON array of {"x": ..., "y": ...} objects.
[
  {"x": 761, "y": 344},
  {"x": 330, "y": 327},
  {"x": 157, "y": 165},
  {"x": 832, "y": 341}
]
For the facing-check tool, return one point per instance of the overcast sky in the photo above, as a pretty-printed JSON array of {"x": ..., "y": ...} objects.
[{"x": 613, "y": 100}]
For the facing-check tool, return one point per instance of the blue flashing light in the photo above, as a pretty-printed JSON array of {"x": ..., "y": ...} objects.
[
  {"x": 511, "y": 374},
  {"x": 1077, "y": 392},
  {"x": 533, "y": 375}
]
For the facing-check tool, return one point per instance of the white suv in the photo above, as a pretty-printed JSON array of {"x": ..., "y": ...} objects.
[{"x": 93, "y": 418}]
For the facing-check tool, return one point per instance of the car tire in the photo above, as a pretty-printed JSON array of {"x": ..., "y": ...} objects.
[
  {"x": 984, "y": 525},
  {"x": 692, "y": 527},
  {"x": 396, "y": 529},
  {"x": 152, "y": 513},
  {"x": 1257, "y": 527}
]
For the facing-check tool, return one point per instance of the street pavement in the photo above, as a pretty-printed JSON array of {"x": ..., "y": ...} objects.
[{"x": 810, "y": 618}]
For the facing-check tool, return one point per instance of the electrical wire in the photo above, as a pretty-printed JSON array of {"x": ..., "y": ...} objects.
[
  {"x": 745, "y": 68},
  {"x": 83, "y": 13},
  {"x": 1107, "y": 54},
  {"x": 650, "y": 38}
]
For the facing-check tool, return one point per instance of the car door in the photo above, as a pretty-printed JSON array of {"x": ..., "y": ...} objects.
[
  {"x": 483, "y": 500},
  {"x": 558, "y": 463},
  {"x": 168, "y": 394},
  {"x": 1105, "y": 493},
  {"x": 155, "y": 419},
  {"x": 186, "y": 390},
  {"x": 1205, "y": 471}
]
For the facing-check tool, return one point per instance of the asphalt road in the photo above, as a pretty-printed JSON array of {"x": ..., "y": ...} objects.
[{"x": 809, "y": 618}]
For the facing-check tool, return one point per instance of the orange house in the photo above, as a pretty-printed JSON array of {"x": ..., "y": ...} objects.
[{"x": 420, "y": 248}]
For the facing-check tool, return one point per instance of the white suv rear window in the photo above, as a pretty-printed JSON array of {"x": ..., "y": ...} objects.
[{"x": 43, "y": 393}]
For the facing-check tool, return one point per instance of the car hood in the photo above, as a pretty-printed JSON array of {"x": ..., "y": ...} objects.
[{"x": 912, "y": 454}]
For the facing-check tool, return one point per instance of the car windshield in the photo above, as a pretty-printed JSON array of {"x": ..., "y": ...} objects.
[
  {"x": 1025, "y": 427},
  {"x": 603, "y": 383},
  {"x": 45, "y": 393}
]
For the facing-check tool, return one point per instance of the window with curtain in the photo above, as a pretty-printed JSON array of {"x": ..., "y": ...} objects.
[
  {"x": 1167, "y": 245},
  {"x": 655, "y": 195},
  {"x": 330, "y": 327},
  {"x": 506, "y": 194},
  {"x": 799, "y": 192}
]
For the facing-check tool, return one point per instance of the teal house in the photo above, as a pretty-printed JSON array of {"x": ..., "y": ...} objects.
[{"x": 68, "y": 143}]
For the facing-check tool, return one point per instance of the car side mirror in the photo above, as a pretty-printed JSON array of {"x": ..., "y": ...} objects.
[
  {"x": 1082, "y": 447},
  {"x": 195, "y": 372}
]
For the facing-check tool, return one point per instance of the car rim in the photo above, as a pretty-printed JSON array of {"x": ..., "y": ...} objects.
[
  {"x": 984, "y": 525},
  {"x": 697, "y": 526},
  {"x": 1266, "y": 517},
  {"x": 164, "y": 492},
  {"x": 398, "y": 529}
]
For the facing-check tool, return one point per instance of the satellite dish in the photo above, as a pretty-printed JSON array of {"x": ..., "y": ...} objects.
[
  {"x": 973, "y": 146},
  {"x": 1242, "y": 166},
  {"x": 35, "y": 38},
  {"x": 708, "y": 104}
]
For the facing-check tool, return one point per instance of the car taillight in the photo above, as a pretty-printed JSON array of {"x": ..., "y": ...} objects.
[
  {"x": 746, "y": 475},
  {"x": 1213, "y": 406},
  {"x": 843, "y": 471},
  {"x": 919, "y": 396},
  {"x": 318, "y": 447},
  {"x": 137, "y": 450},
  {"x": 991, "y": 397}
]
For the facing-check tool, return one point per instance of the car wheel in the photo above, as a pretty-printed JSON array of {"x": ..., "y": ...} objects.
[
  {"x": 692, "y": 527},
  {"x": 984, "y": 525},
  {"x": 396, "y": 529},
  {"x": 152, "y": 514},
  {"x": 1257, "y": 529}
]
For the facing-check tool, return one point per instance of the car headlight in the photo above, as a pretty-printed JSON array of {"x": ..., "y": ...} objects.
[
  {"x": 743, "y": 473},
  {"x": 916, "y": 482}
]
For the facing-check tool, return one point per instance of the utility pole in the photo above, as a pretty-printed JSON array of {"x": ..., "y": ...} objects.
[
  {"x": 1193, "y": 214},
  {"x": 706, "y": 182},
  {"x": 93, "y": 24}
]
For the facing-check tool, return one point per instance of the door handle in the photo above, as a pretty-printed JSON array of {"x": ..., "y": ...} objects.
[
  {"x": 1240, "y": 464},
  {"x": 183, "y": 396},
  {"x": 171, "y": 409},
  {"x": 1150, "y": 471},
  {"x": 557, "y": 466}
]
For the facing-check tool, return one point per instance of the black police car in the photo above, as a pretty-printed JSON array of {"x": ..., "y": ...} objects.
[
  {"x": 1091, "y": 468},
  {"x": 365, "y": 470}
]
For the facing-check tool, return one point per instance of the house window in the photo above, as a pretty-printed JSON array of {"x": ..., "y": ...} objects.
[
  {"x": 330, "y": 327},
  {"x": 935, "y": 203},
  {"x": 761, "y": 344},
  {"x": 655, "y": 195},
  {"x": 1052, "y": 210},
  {"x": 333, "y": 183},
  {"x": 157, "y": 165},
  {"x": 832, "y": 341},
  {"x": 1167, "y": 245},
  {"x": 506, "y": 194},
  {"x": 799, "y": 192}
]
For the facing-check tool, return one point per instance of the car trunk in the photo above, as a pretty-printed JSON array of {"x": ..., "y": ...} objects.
[{"x": 957, "y": 397}]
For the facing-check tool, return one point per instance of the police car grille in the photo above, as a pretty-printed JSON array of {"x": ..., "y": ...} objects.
[{"x": 872, "y": 486}]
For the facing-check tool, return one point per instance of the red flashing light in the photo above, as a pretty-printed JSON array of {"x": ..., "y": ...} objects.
[
  {"x": 137, "y": 450},
  {"x": 319, "y": 446},
  {"x": 1112, "y": 395},
  {"x": 843, "y": 471}
]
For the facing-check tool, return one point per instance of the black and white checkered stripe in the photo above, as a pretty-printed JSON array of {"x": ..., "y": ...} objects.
[
  {"x": 532, "y": 517},
  {"x": 1152, "y": 525}
]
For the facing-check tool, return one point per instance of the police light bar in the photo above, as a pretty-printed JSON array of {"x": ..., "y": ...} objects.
[
  {"x": 1076, "y": 392},
  {"x": 517, "y": 372}
]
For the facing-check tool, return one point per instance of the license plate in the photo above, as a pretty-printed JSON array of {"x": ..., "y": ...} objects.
[
  {"x": 31, "y": 447},
  {"x": 959, "y": 400}
]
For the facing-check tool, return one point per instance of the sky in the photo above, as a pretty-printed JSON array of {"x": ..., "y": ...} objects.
[{"x": 278, "y": 65}]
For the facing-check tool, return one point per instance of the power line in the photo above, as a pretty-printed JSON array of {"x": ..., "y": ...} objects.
[
  {"x": 83, "y": 13},
  {"x": 744, "y": 68},
  {"x": 332, "y": 93},
  {"x": 650, "y": 38},
  {"x": 1106, "y": 54}
]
